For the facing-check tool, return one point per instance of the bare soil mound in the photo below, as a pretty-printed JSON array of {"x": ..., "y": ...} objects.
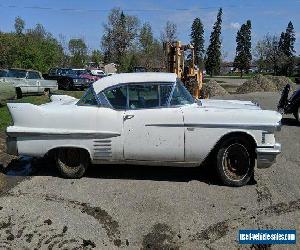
[
  {"x": 212, "y": 88},
  {"x": 260, "y": 83}
]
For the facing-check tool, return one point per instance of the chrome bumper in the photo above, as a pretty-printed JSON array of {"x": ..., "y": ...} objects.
[
  {"x": 266, "y": 156},
  {"x": 11, "y": 145}
]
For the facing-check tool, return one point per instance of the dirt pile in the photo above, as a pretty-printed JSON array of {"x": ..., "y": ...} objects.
[
  {"x": 212, "y": 88},
  {"x": 260, "y": 83}
]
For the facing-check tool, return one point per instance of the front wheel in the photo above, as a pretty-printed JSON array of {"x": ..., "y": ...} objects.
[
  {"x": 235, "y": 162},
  {"x": 297, "y": 114},
  {"x": 47, "y": 92},
  {"x": 19, "y": 93},
  {"x": 72, "y": 162}
]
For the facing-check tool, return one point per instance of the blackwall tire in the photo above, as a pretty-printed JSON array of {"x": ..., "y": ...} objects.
[
  {"x": 297, "y": 114},
  {"x": 235, "y": 161},
  {"x": 19, "y": 93},
  {"x": 72, "y": 162},
  {"x": 47, "y": 92}
]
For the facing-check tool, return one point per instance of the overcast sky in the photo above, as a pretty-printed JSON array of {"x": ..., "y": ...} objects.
[{"x": 78, "y": 18}]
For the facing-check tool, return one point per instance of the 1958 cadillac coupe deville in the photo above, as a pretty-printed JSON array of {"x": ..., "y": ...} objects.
[{"x": 146, "y": 119}]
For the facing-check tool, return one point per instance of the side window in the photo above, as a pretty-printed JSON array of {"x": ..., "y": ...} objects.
[
  {"x": 52, "y": 72},
  {"x": 165, "y": 91},
  {"x": 143, "y": 96},
  {"x": 88, "y": 98},
  {"x": 181, "y": 96},
  {"x": 33, "y": 75},
  {"x": 117, "y": 97}
]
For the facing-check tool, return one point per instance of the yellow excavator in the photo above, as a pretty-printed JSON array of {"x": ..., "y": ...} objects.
[{"x": 190, "y": 75}]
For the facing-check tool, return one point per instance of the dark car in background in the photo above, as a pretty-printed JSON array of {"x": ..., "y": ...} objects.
[
  {"x": 68, "y": 79},
  {"x": 290, "y": 105},
  {"x": 3, "y": 72}
]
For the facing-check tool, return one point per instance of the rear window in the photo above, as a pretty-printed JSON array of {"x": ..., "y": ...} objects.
[
  {"x": 16, "y": 73},
  {"x": 33, "y": 75},
  {"x": 88, "y": 99}
]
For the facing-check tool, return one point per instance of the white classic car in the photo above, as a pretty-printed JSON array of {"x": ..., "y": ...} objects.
[
  {"x": 146, "y": 118},
  {"x": 28, "y": 82}
]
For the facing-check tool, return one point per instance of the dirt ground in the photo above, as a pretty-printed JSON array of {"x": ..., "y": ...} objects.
[{"x": 139, "y": 207}]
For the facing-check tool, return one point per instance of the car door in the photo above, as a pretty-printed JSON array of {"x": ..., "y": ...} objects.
[
  {"x": 152, "y": 131},
  {"x": 33, "y": 80}
]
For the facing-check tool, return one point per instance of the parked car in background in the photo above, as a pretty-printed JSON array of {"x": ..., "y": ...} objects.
[
  {"x": 290, "y": 105},
  {"x": 29, "y": 82},
  {"x": 98, "y": 72},
  {"x": 86, "y": 74},
  {"x": 68, "y": 79},
  {"x": 7, "y": 90},
  {"x": 147, "y": 119},
  {"x": 3, "y": 72}
]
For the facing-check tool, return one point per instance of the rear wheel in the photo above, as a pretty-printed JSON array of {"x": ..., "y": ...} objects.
[
  {"x": 69, "y": 85},
  {"x": 47, "y": 92},
  {"x": 19, "y": 93},
  {"x": 297, "y": 114},
  {"x": 235, "y": 161},
  {"x": 72, "y": 162}
]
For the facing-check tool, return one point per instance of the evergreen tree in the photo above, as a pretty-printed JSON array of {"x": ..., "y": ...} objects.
[
  {"x": 286, "y": 46},
  {"x": 213, "y": 62},
  {"x": 243, "y": 55},
  {"x": 197, "y": 39}
]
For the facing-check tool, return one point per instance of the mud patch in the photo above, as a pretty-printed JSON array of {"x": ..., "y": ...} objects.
[
  {"x": 21, "y": 233},
  {"x": 213, "y": 232},
  {"x": 282, "y": 208},
  {"x": 218, "y": 230},
  {"x": 261, "y": 247},
  {"x": 160, "y": 237},
  {"x": 110, "y": 225},
  {"x": 263, "y": 195}
]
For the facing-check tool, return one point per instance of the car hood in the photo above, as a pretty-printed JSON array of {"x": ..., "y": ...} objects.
[{"x": 228, "y": 104}]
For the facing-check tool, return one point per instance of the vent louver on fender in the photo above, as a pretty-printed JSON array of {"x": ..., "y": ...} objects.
[{"x": 102, "y": 149}]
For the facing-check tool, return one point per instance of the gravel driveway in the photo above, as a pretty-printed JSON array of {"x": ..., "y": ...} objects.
[{"x": 138, "y": 207}]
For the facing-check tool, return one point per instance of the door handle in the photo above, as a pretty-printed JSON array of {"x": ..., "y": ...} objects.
[{"x": 128, "y": 117}]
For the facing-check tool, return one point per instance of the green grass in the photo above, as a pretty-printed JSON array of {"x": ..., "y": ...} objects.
[{"x": 5, "y": 118}]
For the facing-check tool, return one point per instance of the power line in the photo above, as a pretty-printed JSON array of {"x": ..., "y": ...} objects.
[{"x": 107, "y": 10}]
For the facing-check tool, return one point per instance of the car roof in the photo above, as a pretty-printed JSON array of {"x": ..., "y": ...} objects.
[
  {"x": 116, "y": 79},
  {"x": 28, "y": 70}
]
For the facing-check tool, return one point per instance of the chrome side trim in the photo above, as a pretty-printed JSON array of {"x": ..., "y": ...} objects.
[
  {"x": 229, "y": 126},
  {"x": 64, "y": 135}
]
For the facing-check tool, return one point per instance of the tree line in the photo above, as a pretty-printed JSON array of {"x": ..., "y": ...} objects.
[{"x": 129, "y": 43}]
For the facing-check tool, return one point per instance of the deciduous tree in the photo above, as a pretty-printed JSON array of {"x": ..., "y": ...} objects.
[{"x": 78, "y": 51}]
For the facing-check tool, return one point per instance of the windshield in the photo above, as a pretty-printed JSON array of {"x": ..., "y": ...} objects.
[
  {"x": 3, "y": 73},
  {"x": 16, "y": 73},
  {"x": 181, "y": 96},
  {"x": 78, "y": 72}
]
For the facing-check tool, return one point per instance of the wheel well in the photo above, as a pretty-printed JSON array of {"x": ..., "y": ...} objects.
[
  {"x": 244, "y": 135},
  {"x": 52, "y": 152}
]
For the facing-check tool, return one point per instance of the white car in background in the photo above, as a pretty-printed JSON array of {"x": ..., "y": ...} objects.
[
  {"x": 147, "y": 119},
  {"x": 28, "y": 82}
]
